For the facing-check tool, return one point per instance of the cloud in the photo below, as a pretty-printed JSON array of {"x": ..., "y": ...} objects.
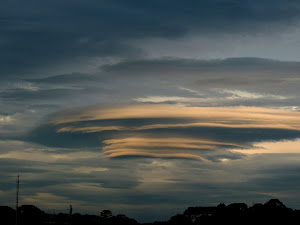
[
  {"x": 228, "y": 97},
  {"x": 219, "y": 82},
  {"x": 56, "y": 37},
  {"x": 240, "y": 67},
  {"x": 47, "y": 168},
  {"x": 239, "y": 117},
  {"x": 191, "y": 78},
  {"x": 161, "y": 147},
  {"x": 199, "y": 58},
  {"x": 63, "y": 78},
  {"x": 136, "y": 187},
  {"x": 168, "y": 131},
  {"x": 6, "y": 120},
  {"x": 289, "y": 146},
  {"x": 244, "y": 94},
  {"x": 50, "y": 201},
  {"x": 162, "y": 99},
  {"x": 23, "y": 94}
]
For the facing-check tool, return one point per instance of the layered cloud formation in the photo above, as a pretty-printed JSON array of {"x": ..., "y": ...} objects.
[{"x": 172, "y": 131}]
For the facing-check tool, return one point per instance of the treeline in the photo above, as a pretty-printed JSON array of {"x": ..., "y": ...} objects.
[
  {"x": 272, "y": 211},
  {"x": 31, "y": 215}
]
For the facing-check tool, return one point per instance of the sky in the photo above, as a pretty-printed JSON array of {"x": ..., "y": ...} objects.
[{"x": 149, "y": 107}]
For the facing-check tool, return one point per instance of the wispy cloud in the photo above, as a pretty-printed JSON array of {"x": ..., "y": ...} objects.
[
  {"x": 278, "y": 147},
  {"x": 162, "y": 99},
  {"x": 6, "y": 119},
  {"x": 238, "y": 94},
  {"x": 27, "y": 86}
]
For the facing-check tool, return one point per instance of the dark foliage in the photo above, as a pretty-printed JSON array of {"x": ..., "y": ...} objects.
[{"x": 272, "y": 212}]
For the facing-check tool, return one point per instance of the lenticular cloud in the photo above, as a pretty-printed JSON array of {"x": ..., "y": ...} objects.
[{"x": 175, "y": 131}]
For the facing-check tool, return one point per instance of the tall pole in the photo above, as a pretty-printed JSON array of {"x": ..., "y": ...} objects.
[
  {"x": 17, "y": 198},
  {"x": 70, "y": 215}
]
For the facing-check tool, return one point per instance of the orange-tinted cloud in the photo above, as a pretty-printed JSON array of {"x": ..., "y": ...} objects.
[
  {"x": 142, "y": 140},
  {"x": 243, "y": 117},
  {"x": 188, "y": 148}
]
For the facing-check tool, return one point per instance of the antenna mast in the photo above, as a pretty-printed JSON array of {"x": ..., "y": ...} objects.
[
  {"x": 70, "y": 215},
  {"x": 17, "y": 198}
]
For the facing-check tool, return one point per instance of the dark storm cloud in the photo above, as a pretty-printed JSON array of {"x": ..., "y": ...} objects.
[{"x": 39, "y": 34}]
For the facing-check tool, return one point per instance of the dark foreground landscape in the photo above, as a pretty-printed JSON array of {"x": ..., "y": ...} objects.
[{"x": 272, "y": 212}]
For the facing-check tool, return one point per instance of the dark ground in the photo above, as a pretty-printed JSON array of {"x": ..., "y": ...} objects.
[{"x": 272, "y": 212}]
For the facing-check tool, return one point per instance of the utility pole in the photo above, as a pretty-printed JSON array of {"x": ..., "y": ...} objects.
[
  {"x": 17, "y": 198},
  {"x": 70, "y": 215}
]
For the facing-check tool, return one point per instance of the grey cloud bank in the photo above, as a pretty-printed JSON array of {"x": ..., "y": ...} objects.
[{"x": 42, "y": 37}]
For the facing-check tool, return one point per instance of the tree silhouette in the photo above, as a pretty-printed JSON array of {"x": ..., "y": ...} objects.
[
  {"x": 106, "y": 214},
  {"x": 180, "y": 219},
  {"x": 272, "y": 212}
]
